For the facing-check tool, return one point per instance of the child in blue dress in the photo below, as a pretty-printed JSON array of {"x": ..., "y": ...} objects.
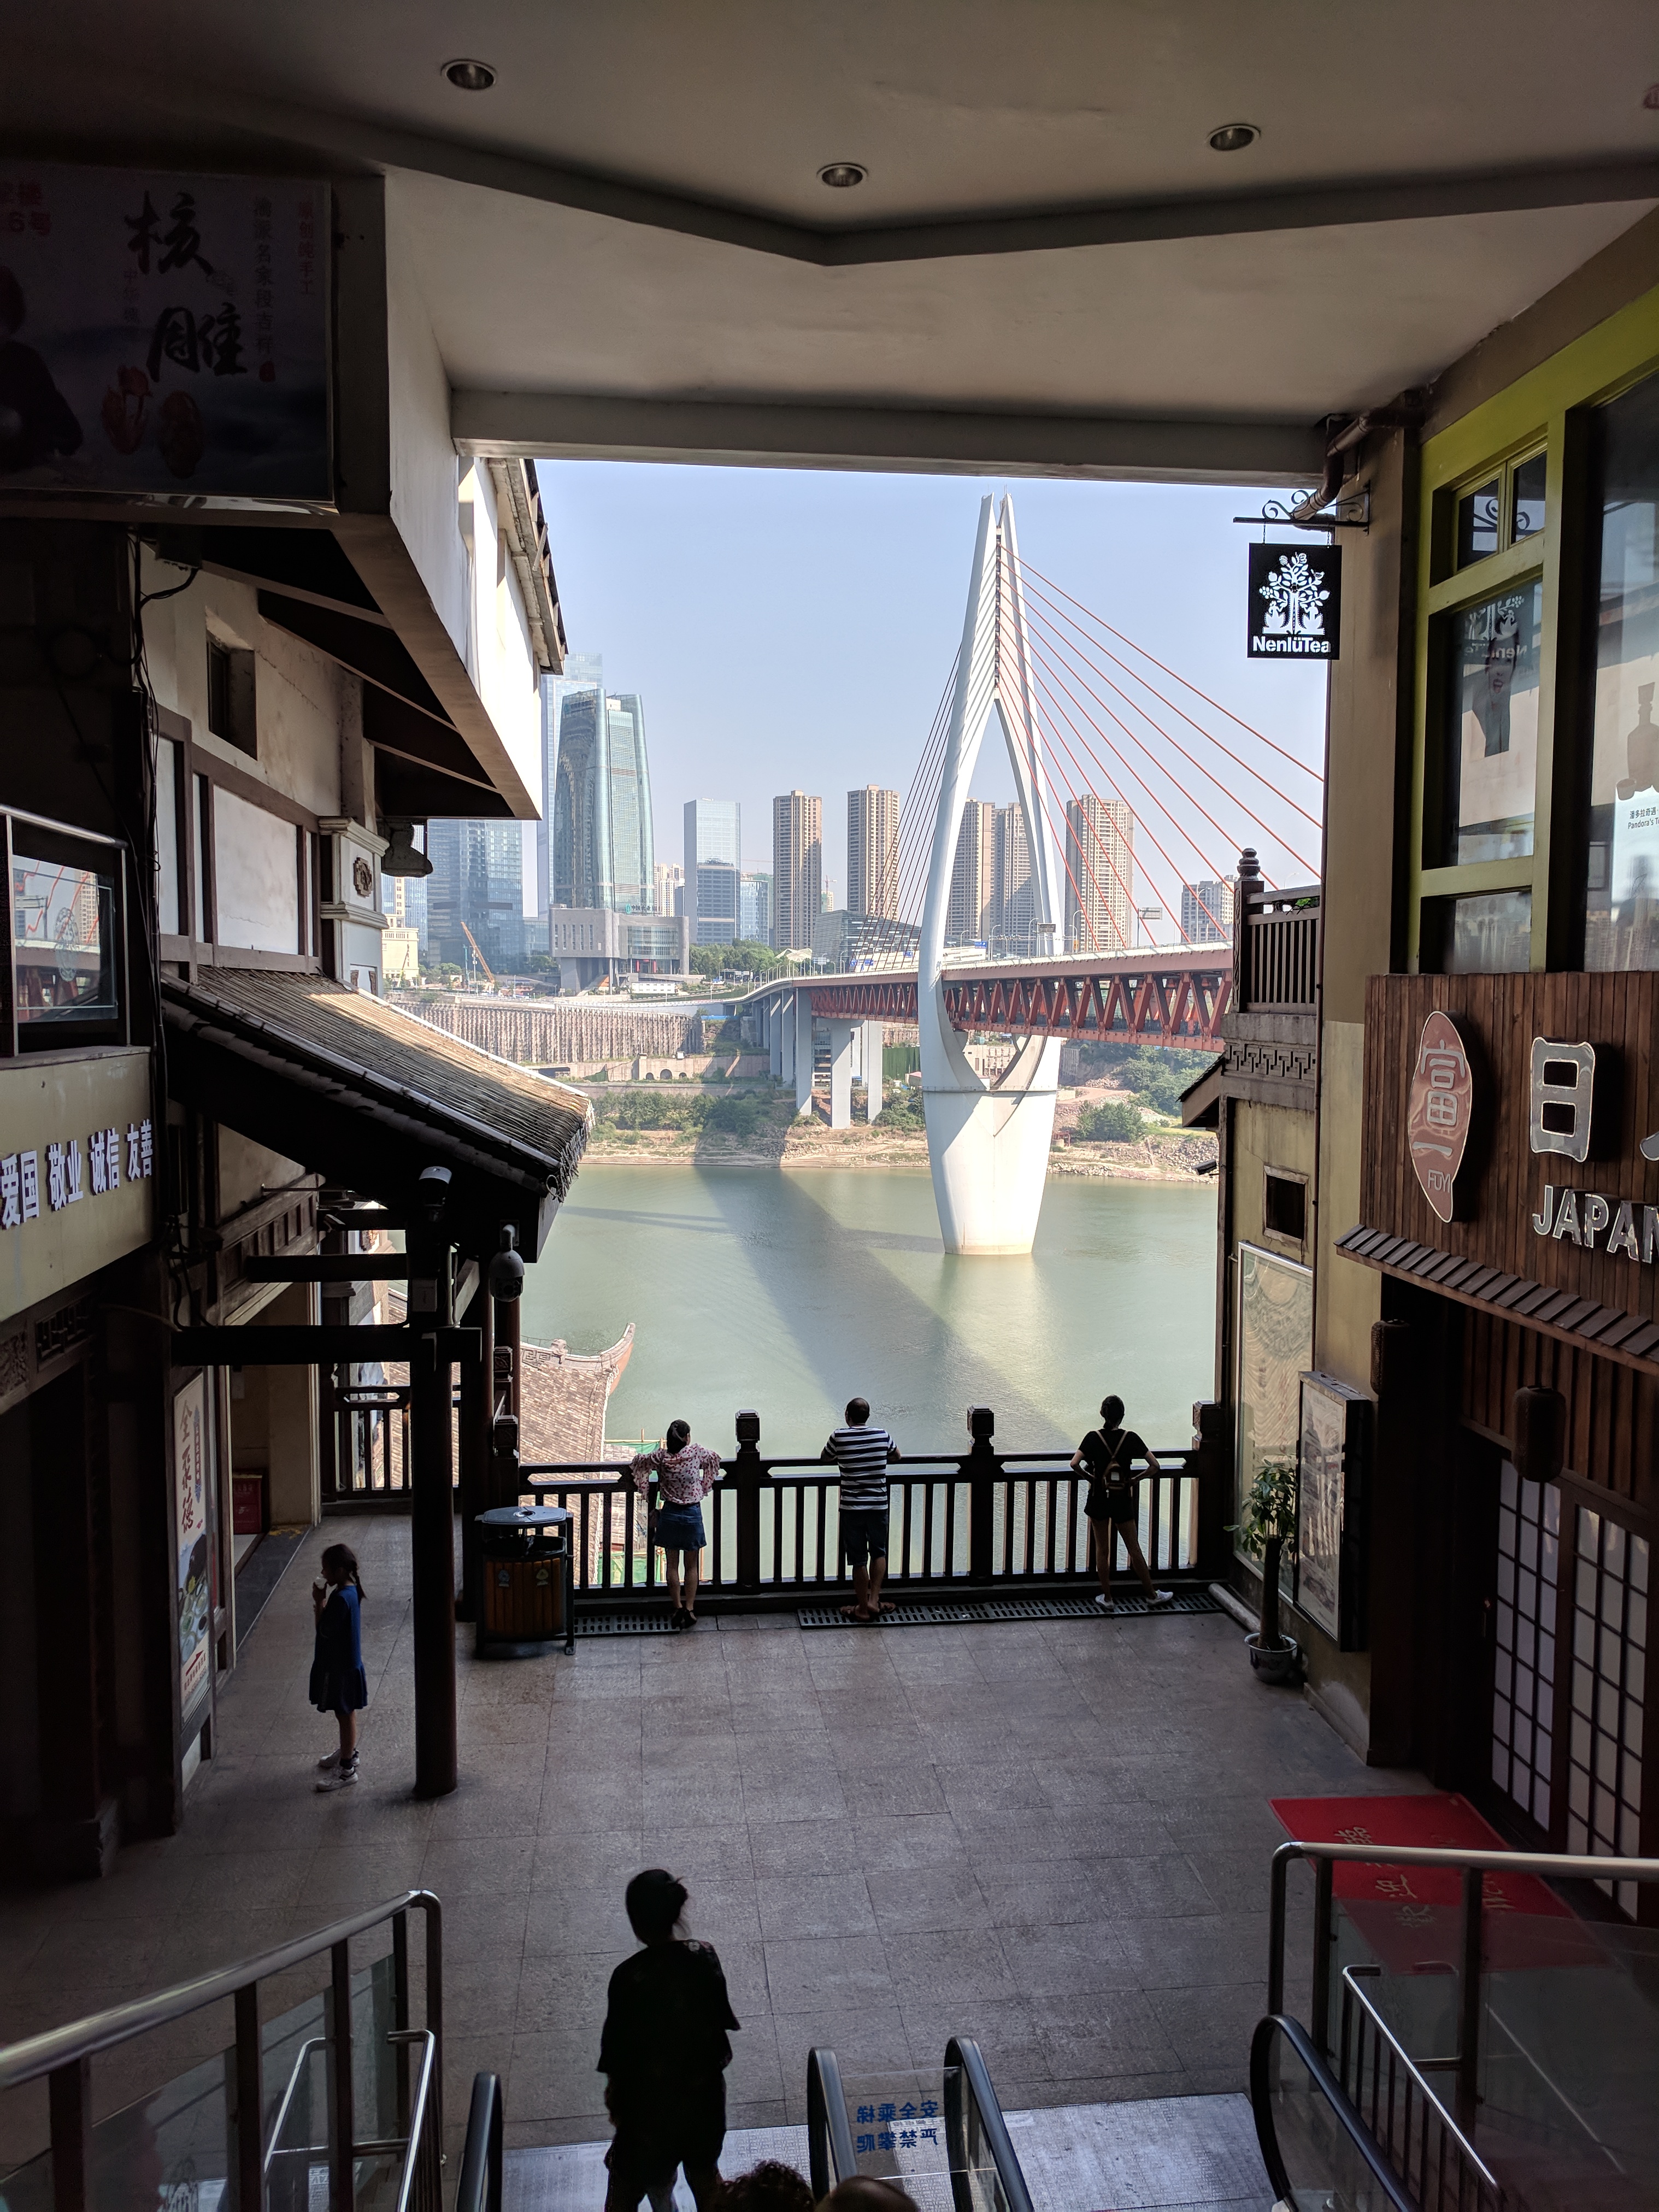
[{"x": 338, "y": 1684}]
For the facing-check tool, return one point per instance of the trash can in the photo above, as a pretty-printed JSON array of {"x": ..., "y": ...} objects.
[{"x": 529, "y": 1583}]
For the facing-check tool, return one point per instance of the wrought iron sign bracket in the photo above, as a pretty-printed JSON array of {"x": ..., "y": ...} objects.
[{"x": 1351, "y": 514}]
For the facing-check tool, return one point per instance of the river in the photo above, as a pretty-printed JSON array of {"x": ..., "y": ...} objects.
[{"x": 789, "y": 1293}]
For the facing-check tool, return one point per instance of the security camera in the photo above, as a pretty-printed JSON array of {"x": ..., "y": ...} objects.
[
  {"x": 506, "y": 1268},
  {"x": 433, "y": 1189}
]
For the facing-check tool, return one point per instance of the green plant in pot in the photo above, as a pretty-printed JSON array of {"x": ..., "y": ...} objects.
[{"x": 1267, "y": 1525}]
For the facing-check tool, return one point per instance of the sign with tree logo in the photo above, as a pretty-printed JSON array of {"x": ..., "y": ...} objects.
[{"x": 1296, "y": 603}]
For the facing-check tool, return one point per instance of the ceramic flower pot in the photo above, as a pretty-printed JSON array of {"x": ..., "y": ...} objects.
[{"x": 1273, "y": 1666}]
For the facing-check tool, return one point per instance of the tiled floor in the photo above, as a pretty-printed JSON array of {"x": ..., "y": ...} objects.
[{"x": 1054, "y": 1837}]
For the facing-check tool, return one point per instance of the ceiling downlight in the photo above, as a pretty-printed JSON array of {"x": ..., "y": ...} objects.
[
  {"x": 842, "y": 176},
  {"x": 1234, "y": 137},
  {"x": 470, "y": 76}
]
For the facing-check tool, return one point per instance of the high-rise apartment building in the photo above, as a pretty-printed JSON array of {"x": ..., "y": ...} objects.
[
  {"x": 477, "y": 880},
  {"x": 1100, "y": 872},
  {"x": 797, "y": 869},
  {"x": 713, "y": 861},
  {"x": 755, "y": 909},
  {"x": 1013, "y": 934},
  {"x": 601, "y": 852},
  {"x": 969, "y": 914},
  {"x": 1207, "y": 912},
  {"x": 669, "y": 888},
  {"x": 872, "y": 837}
]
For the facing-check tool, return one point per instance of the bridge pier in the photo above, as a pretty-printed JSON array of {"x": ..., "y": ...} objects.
[
  {"x": 874, "y": 1036},
  {"x": 773, "y": 1016},
  {"x": 801, "y": 1045},
  {"x": 841, "y": 1074}
]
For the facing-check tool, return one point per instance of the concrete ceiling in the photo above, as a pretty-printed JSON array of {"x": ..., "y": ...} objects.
[{"x": 623, "y": 245}]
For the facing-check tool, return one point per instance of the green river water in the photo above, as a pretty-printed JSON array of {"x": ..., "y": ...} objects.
[{"x": 790, "y": 1291}]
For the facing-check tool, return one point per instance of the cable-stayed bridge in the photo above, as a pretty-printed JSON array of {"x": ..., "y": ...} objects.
[{"x": 1100, "y": 777}]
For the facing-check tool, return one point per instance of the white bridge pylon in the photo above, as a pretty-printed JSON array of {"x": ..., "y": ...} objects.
[{"x": 988, "y": 1143}]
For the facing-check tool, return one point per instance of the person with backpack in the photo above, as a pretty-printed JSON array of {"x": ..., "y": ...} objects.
[{"x": 1108, "y": 1454}]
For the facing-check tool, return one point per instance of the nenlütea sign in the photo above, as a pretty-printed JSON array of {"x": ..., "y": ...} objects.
[{"x": 1296, "y": 603}]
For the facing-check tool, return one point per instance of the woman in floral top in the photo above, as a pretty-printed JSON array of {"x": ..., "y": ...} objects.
[{"x": 685, "y": 1473}]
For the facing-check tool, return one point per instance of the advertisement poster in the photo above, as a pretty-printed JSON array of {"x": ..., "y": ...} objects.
[
  {"x": 190, "y": 1492},
  {"x": 1275, "y": 1343},
  {"x": 1321, "y": 1479},
  {"x": 163, "y": 335}
]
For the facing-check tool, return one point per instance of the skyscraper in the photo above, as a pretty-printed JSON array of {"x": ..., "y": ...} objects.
[
  {"x": 969, "y": 914},
  {"x": 1013, "y": 934},
  {"x": 602, "y": 850},
  {"x": 872, "y": 831},
  {"x": 670, "y": 888},
  {"x": 1100, "y": 872},
  {"x": 1207, "y": 912},
  {"x": 755, "y": 909},
  {"x": 797, "y": 869},
  {"x": 477, "y": 880},
  {"x": 714, "y": 858}
]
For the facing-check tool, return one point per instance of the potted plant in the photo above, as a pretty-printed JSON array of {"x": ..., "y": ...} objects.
[{"x": 1267, "y": 1525}]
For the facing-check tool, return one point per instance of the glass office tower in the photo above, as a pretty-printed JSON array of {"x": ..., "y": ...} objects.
[
  {"x": 601, "y": 852},
  {"x": 477, "y": 880},
  {"x": 714, "y": 859}
]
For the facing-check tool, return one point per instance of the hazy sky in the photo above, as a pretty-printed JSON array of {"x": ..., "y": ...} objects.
[{"x": 792, "y": 627}]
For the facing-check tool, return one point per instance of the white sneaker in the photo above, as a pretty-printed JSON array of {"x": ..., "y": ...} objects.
[
  {"x": 1160, "y": 1597},
  {"x": 341, "y": 1779},
  {"x": 1104, "y": 1604},
  {"x": 327, "y": 1765}
]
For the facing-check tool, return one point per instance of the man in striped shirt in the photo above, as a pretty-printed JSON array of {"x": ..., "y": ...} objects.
[{"x": 862, "y": 1453}]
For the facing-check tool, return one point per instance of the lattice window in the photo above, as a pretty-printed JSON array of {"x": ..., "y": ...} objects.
[
  {"x": 1523, "y": 1683},
  {"x": 1609, "y": 1662}
]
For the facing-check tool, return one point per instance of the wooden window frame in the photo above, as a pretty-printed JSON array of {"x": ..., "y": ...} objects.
[{"x": 1548, "y": 410}]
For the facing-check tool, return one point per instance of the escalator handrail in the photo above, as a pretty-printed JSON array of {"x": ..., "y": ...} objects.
[
  {"x": 962, "y": 2051},
  {"x": 829, "y": 2135},
  {"x": 480, "y": 2185},
  {"x": 39, "y": 2055},
  {"x": 1325, "y": 2082}
]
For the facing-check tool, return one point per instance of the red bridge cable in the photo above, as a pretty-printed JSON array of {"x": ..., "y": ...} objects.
[
  {"x": 1275, "y": 838},
  {"x": 921, "y": 800},
  {"x": 1251, "y": 727},
  {"x": 1062, "y": 716},
  {"x": 1161, "y": 806},
  {"x": 1095, "y": 832},
  {"x": 914, "y": 880},
  {"x": 1081, "y": 653}
]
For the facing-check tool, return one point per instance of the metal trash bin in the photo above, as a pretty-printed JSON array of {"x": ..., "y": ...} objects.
[{"x": 527, "y": 1571}]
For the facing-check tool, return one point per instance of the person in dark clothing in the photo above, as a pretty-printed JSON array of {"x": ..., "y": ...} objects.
[
  {"x": 771, "y": 2186},
  {"x": 1110, "y": 1454},
  {"x": 35, "y": 418},
  {"x": 339, "y": 1684},
  {"x": 664, "y": 2052}
]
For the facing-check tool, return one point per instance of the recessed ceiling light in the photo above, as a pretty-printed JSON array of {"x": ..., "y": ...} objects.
[
  {"x": 470, "y": 76},
  {"x": 1234, "y": 137},
  {"x": 842, "y": 176}
]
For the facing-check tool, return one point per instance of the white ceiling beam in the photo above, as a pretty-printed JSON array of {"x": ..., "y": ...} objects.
[{"x": 764, "y": 433}]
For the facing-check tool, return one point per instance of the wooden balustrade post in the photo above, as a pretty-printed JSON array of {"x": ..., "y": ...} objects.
[
  {"x": 1212, "y": 1468},
  {"x": 432, "y": 1515},
  {"x": 746, "y": 1477},
  {"x": 981, "y": 1469}
]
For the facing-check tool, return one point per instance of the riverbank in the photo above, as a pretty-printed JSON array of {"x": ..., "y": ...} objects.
[{"x": 1163, "y": 1156}]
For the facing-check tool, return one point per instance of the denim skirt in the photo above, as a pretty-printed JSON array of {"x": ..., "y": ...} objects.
[{"x": 679, "y": 1528}]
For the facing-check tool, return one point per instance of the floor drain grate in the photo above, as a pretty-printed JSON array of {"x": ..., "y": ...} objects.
[
  {"x": 624, "y": 1624},
  {"x": 964, "y": 1613}
]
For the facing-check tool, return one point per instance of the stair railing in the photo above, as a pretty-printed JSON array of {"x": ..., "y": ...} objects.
[
  {"x": 975, "y": 2124},
  {"x": 480, "y": 2186},
  {"x": 63, "y": 2058},
  {"x": 1406, "y": 2121}
]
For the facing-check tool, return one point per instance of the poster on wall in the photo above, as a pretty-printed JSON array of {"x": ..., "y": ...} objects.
[
  {"x": 192, "y": 1546},
  {"x": 1274, "y": 1339},
  {"x": 164, "y": 335},
  {"x": 1329, "y": 1517}
]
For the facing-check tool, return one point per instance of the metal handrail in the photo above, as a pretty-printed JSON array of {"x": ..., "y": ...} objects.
[
  {"x": 1330, "y": 2089},
  {"x": 101, "y": 2030},
  {"x": 964, "y": 2053},
  {"x": 272, "y": 2152},
  {"x": 1351, "y": 1979},
  {"x": 415, "y": 2144},
  {"x": 1553, "y": 2087},
  {"x": 830, "y": 2155},
  {"x": 480, "y": 2186}
]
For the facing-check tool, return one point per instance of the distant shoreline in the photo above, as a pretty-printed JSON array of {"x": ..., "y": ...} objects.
[{"x": 1141, "y": 1163}]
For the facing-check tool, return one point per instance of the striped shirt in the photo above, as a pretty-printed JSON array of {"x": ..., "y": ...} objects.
[{"x": 862, "y": 1455}]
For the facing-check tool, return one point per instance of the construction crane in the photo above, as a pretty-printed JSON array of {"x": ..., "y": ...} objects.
[{"x": 479, "y": 957}]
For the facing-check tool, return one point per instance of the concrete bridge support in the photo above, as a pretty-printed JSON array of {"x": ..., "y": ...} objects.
[
  {"x": 840, "y": 1072},
  {"x": 774, "y": 1020},
  {"x": 872, "y": 1035},
  {"x": 800, "y": 1024}
]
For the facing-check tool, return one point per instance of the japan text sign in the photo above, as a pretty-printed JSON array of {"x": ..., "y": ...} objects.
[
  {"x": 164, "y": 335},
  {"x": 1438, "y": 1110},
  {"x": 1295, "y": 602}
]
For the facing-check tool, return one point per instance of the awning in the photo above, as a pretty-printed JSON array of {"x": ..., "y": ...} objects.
[
  {"x": 1200, "y": 1101},
  {"x": 368, "y": 1095}
]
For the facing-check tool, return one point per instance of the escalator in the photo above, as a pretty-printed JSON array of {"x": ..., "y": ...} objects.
[{"x": 942, "y": 2137}]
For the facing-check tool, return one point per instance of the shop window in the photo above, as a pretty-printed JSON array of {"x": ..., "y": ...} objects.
[
  {"x": 1285, "y": 1206},
  {"x": 1488, "y": 934},
  {"x": 1527, "y": 498},
  {"x": 1609, "y": 1665},
  {"x": 1524, "y": 1677},
  {"x": 1621, "y": 917},
  {"x": 1506, "y": 507},
  {"x": 231, "y": 710},
  {"x": 66, "y": 942},
  {"x": 1489, "y": 731}
]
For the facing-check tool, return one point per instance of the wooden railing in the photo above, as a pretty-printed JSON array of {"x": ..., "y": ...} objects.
[
  {"x": 981, "y": 1520},
  {"x": 1279, "y": 952}
]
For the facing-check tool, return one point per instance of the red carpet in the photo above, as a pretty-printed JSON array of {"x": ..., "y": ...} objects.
[{"x": 1411, "y": 1916}]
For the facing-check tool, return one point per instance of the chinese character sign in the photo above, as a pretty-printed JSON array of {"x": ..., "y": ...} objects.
[
  {"x": 1438, "y": 1110},
  {"x": 163, "y": 335},
  {"x": 195, "y": 1599}
]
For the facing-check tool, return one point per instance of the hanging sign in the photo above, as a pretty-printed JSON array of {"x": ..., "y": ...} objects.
[
  {"x": 164, "y": 335},
  {"x": 1296, "y": 603},
  {"x": 1438, "y": 1110}
]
